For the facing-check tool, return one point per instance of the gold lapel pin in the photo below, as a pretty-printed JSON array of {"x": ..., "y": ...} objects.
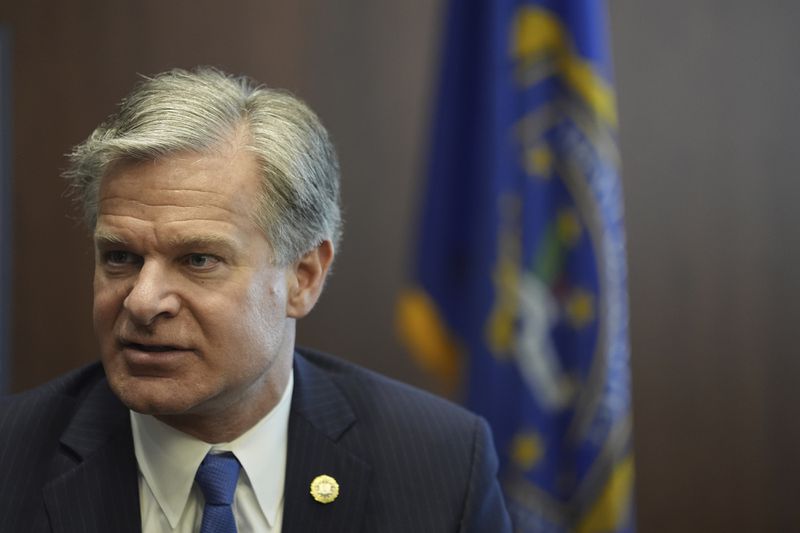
[{"x": 324, "y": 489}]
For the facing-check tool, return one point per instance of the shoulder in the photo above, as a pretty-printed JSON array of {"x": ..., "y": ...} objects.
[
  {"x": 388, "y": 420},
  {"x": 425, "y": 453},
  {"x": 378, "y": 399},
  {"x": 73, "y": 385},
  {"x": 42, "y": 410}
]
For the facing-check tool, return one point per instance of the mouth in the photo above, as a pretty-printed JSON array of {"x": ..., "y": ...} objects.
[
  {"x": 154, "y": 348},
  {"x": 151, "y": 351},
  {"x": 153, "y": 359}
]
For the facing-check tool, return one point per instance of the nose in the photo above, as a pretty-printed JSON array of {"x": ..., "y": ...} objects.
[{"x": 153, "y": 295}]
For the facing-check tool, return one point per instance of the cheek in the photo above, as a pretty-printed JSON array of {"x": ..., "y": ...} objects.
[
  {"x": 270, "y": 298},
  {"x": 107, "y": 303},
  {"x": 266, "y": 304},
  {"x": 240, "y": 323}
]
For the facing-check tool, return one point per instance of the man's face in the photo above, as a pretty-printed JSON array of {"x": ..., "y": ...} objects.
[{"x": 190, "y": 312}]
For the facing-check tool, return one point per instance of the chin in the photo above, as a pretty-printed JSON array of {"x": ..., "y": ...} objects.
[{"x": 150, "y": 396}]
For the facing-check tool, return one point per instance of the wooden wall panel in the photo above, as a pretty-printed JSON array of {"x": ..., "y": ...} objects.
[{"x": 708, "y": 97}]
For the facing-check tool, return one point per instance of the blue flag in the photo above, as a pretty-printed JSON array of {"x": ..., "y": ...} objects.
[{"x": 520, "y": 273}]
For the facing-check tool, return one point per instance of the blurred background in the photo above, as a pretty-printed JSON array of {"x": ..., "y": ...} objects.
[{"x": 708, "y": 98}]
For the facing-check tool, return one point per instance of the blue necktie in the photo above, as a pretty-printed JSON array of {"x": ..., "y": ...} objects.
[{"x": 217, "y": 476}]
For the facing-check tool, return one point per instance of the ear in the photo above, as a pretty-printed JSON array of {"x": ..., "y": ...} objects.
[{"x": 307, "y": 277}]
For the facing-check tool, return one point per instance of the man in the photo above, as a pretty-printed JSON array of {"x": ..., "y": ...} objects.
[{"x": 214, "y": 207}]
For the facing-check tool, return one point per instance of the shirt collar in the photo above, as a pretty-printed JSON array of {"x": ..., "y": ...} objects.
[{"x": 168, "y": 458}]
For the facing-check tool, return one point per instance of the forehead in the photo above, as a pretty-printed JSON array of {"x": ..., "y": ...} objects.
[
  {"x": 183, "y": 189},
  {"x": 227, "y": 179}
]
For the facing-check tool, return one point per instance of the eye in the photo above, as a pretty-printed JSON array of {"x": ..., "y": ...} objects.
[
  {"x": 202, "y": 261},
  {"x": 119, "y": 258}
]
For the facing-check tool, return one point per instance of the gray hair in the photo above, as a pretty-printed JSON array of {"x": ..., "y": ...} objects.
[{"x": 203, "y": 109}]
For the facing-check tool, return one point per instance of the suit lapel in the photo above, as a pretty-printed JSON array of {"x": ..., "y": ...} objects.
[
  {"x": 319, "y": 418},
  {"x": 95, "y": 486}
]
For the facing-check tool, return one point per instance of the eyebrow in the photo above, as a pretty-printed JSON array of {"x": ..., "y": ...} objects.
[
  {"x": 103, "y": 239},
  {"x": 106, "y": 238},
  {"x": 201, "y": 241}
]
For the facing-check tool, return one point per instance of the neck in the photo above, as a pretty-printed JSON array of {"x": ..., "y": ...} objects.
[{"x": 226, "y": 423}]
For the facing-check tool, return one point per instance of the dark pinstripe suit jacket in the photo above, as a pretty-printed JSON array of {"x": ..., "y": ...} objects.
[{"x": 405, "y": 460}]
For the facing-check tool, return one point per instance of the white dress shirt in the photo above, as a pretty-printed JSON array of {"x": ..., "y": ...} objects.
[{"x": 168, "y": 459}]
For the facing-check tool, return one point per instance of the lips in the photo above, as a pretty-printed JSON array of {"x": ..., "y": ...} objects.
[
  {"x": 151, "y": 347},
  {"x": 153, "y": 358}
]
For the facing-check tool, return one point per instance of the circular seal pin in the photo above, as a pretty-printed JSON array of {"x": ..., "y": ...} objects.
[{"x": 324, "y": 489}]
